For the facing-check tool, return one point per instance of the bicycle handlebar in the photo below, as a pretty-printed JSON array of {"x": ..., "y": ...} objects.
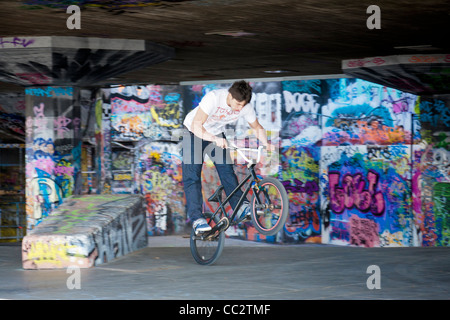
[{"x": 232, "y": 146}]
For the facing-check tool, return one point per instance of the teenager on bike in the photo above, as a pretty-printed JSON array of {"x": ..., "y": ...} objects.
[{"x": 206, "y": 125}]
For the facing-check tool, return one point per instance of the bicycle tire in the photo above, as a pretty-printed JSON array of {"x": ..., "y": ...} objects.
[
  {"x": 282, "y": 213},
  {"x": 200, "y": 255}
]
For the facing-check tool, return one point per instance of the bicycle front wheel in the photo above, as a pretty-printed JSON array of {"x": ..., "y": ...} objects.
[
  {"x": 269, "y": 206},
  {"x": 207, "y": 249}
]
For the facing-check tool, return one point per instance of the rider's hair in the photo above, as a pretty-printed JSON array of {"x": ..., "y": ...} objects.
[{"x": 241, "y": 91}]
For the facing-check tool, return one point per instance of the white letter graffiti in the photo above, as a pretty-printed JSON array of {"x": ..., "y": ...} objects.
[{"x": 301, "y": 101}]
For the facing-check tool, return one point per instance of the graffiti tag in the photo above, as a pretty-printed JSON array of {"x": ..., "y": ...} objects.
[{"x": 353, "y": 194}]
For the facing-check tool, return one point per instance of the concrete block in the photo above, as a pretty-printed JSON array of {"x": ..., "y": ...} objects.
[{"x": 86, "y": 231}]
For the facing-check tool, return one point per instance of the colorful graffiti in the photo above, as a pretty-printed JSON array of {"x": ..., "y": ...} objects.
[
  {"x": 355, "y": 194},
  {"x": 363, "y": 164},
  {"x": 159, "y": 179},
  {"x": 377, "y": 190},
  {"x": 347, "y": 160},
  {"x": 86, "y": 231},
  {"x": 53, "y": 150},
  {"x": 441, "y": 199},
  {"x": 146, "y": 115},
  {"x": 431, "y": 174},
  {"x": 300, "y": 176},
  {"x": 145, "y": 112}
]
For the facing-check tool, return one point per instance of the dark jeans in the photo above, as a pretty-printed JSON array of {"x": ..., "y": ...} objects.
[{"x": 193, "y": 152}]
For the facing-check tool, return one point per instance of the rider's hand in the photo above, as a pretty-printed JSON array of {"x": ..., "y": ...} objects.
[{"x": 221, "y": 142}]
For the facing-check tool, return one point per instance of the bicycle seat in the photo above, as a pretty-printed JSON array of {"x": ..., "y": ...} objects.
[{"x": 217, "y": 195}]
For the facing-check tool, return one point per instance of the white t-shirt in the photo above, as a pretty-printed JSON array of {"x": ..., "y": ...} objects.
[{"x": 214, "y": 104}]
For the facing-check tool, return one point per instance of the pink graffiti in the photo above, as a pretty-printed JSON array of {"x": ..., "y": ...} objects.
[
  {"x": 156, "y": 98},
  {"x": 309, "y": 187},
  {"x": 363, "y": 232},
  {"x": 352, "y": 194},
  {"x": 34, "y": 78},
  {"x": 197, "y": 88},
  {"x": 39, "y": 119},
  {"x": 45, "y": 164},
  {"x": 62, "y": 170},
  {"x": 39, "y": 111},
  {"x": 61, "y": 125},
  {"x": 29, "y": 126},
  {"x": 362, "y": 62}
]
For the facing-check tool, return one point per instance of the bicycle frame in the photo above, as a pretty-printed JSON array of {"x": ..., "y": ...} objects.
[{"x": 251, "y": 176}]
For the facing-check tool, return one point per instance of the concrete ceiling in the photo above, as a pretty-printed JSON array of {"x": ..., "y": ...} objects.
[{"x": 241, "y": 39}]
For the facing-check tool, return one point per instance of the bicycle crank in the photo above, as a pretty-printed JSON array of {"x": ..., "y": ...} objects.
[{"x": 223, "y": 224}]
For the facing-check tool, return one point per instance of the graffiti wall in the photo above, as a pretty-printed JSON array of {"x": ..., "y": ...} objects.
[
  {"x": 53, "y": 149},
  {"x": 300, "y": 154},
  {"x": 363, "y": 164},
  {"x": 144, "y": 155},
  {"x": 431, "y": 174},
  {"x": 159, "y": 178},
  {"x": 145, "y": 112},
  {"x": 366, "y": 164}
]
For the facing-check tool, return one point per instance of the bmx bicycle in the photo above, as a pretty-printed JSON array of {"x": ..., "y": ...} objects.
[{"x": 269, "y": 209}]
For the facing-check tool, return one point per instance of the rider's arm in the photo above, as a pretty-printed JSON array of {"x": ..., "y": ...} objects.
[
  {"x": 261, "y": 134},
  {"x": 199, "y": 130}
]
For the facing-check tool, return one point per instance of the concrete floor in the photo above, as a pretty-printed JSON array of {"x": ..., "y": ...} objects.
[{"x": 165, "y": 270}]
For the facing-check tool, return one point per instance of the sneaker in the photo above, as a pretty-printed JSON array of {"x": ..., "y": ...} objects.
[
  {"x": 200, "y": 225},
  {"x": 243, "y": 213}
]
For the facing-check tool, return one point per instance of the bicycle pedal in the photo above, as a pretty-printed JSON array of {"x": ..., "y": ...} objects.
[{"x": 200, "y": 233}]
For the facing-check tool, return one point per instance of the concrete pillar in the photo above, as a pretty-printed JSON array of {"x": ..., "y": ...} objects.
[{"x": 53, "y": 149}]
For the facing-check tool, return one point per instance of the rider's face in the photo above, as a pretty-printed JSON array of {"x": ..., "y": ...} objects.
[{"x": 234, "y": 104}]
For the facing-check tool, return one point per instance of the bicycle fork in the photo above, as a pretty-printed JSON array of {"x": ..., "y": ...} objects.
[{"x": 259, "y": 206}]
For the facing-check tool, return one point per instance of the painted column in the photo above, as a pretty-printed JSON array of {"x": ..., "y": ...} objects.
[
  {"x": 53, "y": 149},
  {"x": 431, "y": 192}
]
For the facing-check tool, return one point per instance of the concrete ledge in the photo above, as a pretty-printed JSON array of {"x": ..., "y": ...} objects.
[{"x": 86, "y": 231}]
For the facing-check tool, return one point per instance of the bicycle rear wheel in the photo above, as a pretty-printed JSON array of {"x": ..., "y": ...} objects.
[
  {"x": 269, "y": 206},
  {"x": 206, "y": 249}
]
